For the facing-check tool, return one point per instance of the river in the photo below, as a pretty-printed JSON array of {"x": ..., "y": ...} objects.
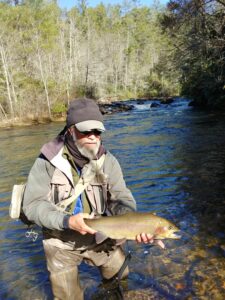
[{"x": 173, "y": 159}]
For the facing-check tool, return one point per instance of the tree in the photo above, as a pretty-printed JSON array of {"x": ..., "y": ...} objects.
[
  {"x": 49, "y": 56},
  {"x": 197, "y": 30}
]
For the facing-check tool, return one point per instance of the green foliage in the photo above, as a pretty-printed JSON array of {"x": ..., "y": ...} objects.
[
  {"x": 98, "y": 16},
  {"x": 125, "y": 94},
  {"x": 158, "y": 87},
  {"x": 196, "y": 29},
  {"x": 52, "y": 55},
  {"x": 59, "y": 108},
  {"x": 204, "y": 88},
  {"x": 86, "y": 91}
]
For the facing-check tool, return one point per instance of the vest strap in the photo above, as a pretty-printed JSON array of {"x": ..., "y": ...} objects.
[{"x": 90, "y": 172}]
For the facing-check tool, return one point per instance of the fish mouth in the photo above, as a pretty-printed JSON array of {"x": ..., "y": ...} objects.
[
  {"x": 175, "y": 236},
  {"x": 171, "y": 235}
]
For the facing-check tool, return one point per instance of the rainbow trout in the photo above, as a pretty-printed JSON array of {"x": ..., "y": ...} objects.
[{"x": 129, "y": 225}]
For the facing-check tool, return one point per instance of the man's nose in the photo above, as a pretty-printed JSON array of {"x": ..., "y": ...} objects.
[{"x": 92, "y": 136}]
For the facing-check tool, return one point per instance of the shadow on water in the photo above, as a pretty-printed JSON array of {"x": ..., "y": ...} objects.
[
  {"x": 203, "y": 158},
  {"x": 173, "y": 161}
]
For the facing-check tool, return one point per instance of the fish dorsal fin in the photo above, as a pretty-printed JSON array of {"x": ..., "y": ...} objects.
[{"x": 100, "y": 237}]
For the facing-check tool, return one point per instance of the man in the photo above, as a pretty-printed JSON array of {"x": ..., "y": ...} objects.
[{"x": 73, "y": 177}]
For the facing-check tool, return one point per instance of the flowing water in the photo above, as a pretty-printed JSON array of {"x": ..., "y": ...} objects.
[{"x": 173, "y": 159}]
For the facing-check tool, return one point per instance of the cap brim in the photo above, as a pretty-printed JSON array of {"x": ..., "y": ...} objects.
[{"x": 90, "y": 125}]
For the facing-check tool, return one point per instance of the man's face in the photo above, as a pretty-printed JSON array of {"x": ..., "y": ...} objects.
[{"x": 88, "y": 143}]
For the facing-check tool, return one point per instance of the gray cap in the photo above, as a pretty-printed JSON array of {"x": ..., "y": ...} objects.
[{"x": 85, "y": 115}]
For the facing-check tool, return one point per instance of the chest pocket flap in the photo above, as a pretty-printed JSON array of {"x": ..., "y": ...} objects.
[{"x": 60, "y": 186}]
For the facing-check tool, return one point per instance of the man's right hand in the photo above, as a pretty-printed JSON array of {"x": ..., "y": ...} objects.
[{"x": 76, "y": 222}]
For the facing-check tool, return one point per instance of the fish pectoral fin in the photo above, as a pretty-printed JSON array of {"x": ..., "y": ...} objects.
[
  {"x": 120, "y": 241},
  {"x": 100, "y": 237}
]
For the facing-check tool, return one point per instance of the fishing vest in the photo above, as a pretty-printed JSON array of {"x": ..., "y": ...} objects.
[{"x": 92, "y": 185}]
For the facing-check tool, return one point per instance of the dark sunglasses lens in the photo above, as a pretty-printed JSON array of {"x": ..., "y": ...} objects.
[{"x": 95, "y": 132}]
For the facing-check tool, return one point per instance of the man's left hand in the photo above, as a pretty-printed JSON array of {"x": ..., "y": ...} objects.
[{"x": 147, "y": 238}]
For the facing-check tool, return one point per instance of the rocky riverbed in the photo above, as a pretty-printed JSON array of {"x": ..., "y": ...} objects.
[{"x": 107, "y": 106}]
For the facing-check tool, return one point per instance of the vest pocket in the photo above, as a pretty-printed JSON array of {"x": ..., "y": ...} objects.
[
  {"x": 96, "y": 196},
  {"x": 60, "y": 187},
  {"x": 60, "y": 192}
]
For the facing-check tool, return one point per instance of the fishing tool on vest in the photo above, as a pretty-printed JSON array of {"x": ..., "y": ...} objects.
[
  {"x": 16, "y": 211},
  {"x": 31, "y": 234}
]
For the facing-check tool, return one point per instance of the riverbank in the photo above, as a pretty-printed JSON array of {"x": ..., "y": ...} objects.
[{"x": 107, "y": 106}]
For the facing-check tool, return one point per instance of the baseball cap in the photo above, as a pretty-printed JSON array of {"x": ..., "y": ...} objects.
[{"x": 84, "y": 113}]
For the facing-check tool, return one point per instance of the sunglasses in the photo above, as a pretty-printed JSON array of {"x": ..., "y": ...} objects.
[{"x": 90, "y": 132}]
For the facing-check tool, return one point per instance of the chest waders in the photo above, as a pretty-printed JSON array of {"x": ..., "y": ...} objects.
[{"x": 111, "y": 289}]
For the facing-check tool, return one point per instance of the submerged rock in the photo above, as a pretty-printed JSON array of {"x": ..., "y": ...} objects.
[{"x": 142, "y": 294}]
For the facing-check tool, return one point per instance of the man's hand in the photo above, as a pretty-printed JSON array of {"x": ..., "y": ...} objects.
[
  {"x": 76, "y": 222},
  {"x": 148, "y": 238}
]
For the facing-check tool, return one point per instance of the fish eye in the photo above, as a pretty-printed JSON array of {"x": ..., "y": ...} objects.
[{"x": 170, "y": 227}]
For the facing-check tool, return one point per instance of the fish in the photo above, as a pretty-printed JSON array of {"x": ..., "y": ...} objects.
[{"x": 131, "y": 224}]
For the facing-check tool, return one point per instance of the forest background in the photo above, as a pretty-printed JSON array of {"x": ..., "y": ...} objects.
[{"x": 49, "y": 56}]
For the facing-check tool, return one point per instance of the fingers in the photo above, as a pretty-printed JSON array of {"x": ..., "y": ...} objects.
[
  {"x": 147, "y": 238},
  {"x": 144, "y": 238},
  {"x": 76, "y": 222},
  {"x": 87, "y": 229}
]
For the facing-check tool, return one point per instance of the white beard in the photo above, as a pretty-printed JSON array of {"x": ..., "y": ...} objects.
[{"x": 89, "y": 153}]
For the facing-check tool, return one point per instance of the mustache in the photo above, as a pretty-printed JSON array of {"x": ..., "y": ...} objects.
[{"x": 90, "y": 153}]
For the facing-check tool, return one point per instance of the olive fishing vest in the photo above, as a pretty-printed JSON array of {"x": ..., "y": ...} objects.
[{"x": 92, "y": 184}]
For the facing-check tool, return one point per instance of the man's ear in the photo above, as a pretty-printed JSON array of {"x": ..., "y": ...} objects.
[{"x": 72, "y": 132}]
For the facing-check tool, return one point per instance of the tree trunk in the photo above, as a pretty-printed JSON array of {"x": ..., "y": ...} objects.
[
  {"x": 44, "y": 82},
  {"x": 65, "y": 63},
  {"x": 127, "y": 59},
  {"x": 88, "y": 56},
  {"x": 7, "y": 79},
  {"x": 3, "y": 111}
]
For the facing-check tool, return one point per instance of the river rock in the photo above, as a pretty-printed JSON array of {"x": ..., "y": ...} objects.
[
  {"x": 154, "y": 104},
  {"x": 167, "y": 100},
  {"x": 142, "y": 294},
  {"x": 114, "y": 107}
]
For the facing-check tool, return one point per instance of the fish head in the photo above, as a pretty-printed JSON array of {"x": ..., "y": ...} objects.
[{"x": 166, "y": 230}]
